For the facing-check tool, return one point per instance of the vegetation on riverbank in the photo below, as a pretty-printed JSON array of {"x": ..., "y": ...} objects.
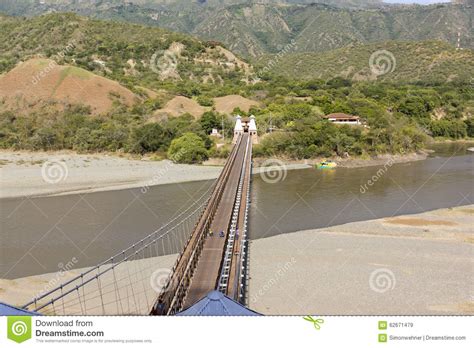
[{"x": 398, "y": 119}]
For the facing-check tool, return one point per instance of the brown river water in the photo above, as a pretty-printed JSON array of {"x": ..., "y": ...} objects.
[{"x": 38, "y": 234}]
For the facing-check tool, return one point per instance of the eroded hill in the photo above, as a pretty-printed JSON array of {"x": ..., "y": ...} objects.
[{"x": 38, "y": 82}]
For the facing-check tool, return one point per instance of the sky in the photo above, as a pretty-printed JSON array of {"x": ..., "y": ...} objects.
[{"x": 423, "y": 2}]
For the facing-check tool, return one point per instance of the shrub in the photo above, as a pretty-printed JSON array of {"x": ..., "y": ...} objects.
[
  {"x": 189, "y": 148},
  {"x": 449, "y": 128},
  {"x": 470, "y": 127},
  {"x": 205, "y": 101},
  {"x": 44, "y": 139},
  {"x": 147, "y": 138}
]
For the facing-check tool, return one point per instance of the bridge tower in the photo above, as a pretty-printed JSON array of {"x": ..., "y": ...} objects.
[
  {"x": 253, "y": 129},
  {"x": 238, "y": 129},
  {"x": 245, "y": 125}
]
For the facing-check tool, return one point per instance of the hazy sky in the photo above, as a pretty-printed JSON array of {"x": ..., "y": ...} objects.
[{"x": 425, "y": 2}]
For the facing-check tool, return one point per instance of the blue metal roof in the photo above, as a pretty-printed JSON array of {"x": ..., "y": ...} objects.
[
  {"x": 6, "y": 309},
  {"x": 217, "y": 304}
]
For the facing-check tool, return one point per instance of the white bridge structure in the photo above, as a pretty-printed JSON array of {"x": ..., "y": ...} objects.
[{"x": 245, "y": 125}]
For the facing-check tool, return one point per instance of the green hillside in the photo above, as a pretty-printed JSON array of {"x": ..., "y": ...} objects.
[
  {"x": 258, "y": 29},
  {"x": 255, "y": 28},
  {"x": 432, "y": 61},
  {"x": 131, "y": 54}
]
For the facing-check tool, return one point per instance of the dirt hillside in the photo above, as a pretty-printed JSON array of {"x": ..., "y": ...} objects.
[
  {"x": 43, "y": 80},
  {"x": 180, "y": 105},
  {"x": 228, "y": 103}
]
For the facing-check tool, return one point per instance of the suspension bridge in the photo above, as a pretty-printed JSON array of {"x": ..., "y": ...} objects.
[{"x": 203, "y": 248}]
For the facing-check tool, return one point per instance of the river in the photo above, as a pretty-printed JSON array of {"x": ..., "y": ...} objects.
[{"x": 38, "y": 235}]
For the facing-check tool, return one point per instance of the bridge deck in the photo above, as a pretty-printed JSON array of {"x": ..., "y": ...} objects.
[{"x": 208, "y": 268}]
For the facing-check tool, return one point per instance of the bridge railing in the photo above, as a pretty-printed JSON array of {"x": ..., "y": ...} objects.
[
  {"x": 128, "y": 282},
  {"x": 223, "y": 281},
  {"x": 241, "y": 279}
]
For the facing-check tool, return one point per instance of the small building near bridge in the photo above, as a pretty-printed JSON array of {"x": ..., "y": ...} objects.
[{"x": 341, "y": 118}]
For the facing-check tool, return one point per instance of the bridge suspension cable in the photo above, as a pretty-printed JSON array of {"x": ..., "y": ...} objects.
[{"x": 128, "y": 282}]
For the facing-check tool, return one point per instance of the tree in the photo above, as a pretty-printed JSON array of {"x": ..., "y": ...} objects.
[
  {"x": 414, "y": 106},
  {"x": 339, "y": 105},
  {"x": 470, "y": 127},
  {"x": 296, "y": 111},
  {"x": 205, "y": 101},
  {"x": 449, "y": 128},
  {"x": 189, "y": 148},
  {"x": 148, "y": 138},
  {"x": 367, "y": 109},
  {"x": 342, "y": 143},
  {"x": 338, "y": 82},
  {"x": 209, "y": 121}
]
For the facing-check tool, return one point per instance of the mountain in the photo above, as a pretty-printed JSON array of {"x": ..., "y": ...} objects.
[
  {"x": 141, "y": 57},
  {"x": 427, "y": 62},
  {"x": 35, "y": 7},
  {"x": 258, "y": 29},
  {"x": 253, "y": 28}
]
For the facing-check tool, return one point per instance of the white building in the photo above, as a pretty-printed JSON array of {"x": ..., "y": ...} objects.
[
  {"x": 215, "y": 133},
  {"x": 340, "y": 118}
]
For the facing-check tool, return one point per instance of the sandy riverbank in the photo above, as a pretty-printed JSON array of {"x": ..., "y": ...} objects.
[
  {"x": 349, "y": 162},
  {"x": 45, "y": 174},
  {"x": 356, "y": 162},
  {"x": 22, "y": 173},
  {"x": 57, "y": 173},
  {"x": 412, "y": 264}
]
